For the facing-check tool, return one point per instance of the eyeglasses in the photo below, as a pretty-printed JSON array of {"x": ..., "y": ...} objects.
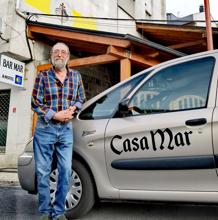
[{"x": 62, "y": 52}]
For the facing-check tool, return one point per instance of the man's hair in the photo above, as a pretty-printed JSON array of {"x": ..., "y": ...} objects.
[{"x": 62, "y": 44}]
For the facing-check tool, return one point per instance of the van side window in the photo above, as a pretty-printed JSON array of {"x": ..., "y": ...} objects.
[
  {"x": 182, "y": 86},
  {"x": 107, "y": 104}
]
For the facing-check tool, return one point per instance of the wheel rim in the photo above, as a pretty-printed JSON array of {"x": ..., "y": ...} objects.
[{"x": 75, "y": 192}]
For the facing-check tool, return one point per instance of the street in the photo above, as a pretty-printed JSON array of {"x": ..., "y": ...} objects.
[{"x": 17, "y": 204}]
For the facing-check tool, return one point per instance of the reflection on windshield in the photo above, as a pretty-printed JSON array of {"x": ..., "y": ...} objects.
[
  {"x": 178, "y": 87},
  {"x": 106, "y": 105}
]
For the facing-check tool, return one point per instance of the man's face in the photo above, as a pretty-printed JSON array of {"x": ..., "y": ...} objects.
[{"x": 60, "y": 56}]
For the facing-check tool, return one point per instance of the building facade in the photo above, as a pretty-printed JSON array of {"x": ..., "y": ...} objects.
[
  {"x": 196, "y": 19},
  {"x": 15, "y": 109}
]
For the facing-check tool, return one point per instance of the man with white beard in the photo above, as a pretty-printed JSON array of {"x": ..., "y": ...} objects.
[{"x": 57, "y": 95}]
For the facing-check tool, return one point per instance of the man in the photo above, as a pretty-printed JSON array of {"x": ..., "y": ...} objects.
[{"x": 57, "y": 95}]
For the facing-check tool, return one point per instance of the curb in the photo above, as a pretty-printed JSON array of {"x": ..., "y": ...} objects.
[{"x": 9, "y": 177}]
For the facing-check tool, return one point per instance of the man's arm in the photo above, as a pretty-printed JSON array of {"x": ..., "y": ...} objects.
[{"x": 37, "y": 101}]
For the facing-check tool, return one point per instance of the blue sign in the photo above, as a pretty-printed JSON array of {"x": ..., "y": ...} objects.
[{"x": 18, "y": 80}]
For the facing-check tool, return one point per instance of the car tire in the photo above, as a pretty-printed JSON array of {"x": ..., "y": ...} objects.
[{"x": 87, "y": 198}]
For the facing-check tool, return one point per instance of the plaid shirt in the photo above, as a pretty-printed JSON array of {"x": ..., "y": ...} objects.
[{"x": 50, "y": 95}]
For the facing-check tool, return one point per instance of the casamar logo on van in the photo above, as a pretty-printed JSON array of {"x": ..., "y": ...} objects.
[{"x": 157, "y": 140}]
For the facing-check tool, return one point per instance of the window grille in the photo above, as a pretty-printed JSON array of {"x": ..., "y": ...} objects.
[{"x": 4, "y": 110}]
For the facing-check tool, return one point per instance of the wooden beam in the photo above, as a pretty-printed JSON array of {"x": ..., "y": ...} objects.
[
  {"x": 34, "y": 121},
  {"x": 35, "y": 116},
  {"x": 119, "y": 52},
  {"x": 43, "y": 67},
  {"x": 85, "y": 61},
  {"x": 93, "y": 60},
  {"x": 125, "y": 69},
  {"x": 168, "y": 28},
  {"x": 134, "y": 57},
  {"x": 188, "y": 44},
  {"x": 70, "y": 35},
  {"x": 146, "y": 61}
]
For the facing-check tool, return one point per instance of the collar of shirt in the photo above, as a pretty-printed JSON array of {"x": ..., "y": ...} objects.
[{"x": 52, "y": 71}]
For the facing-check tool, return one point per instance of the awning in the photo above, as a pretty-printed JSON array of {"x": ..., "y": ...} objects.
[
  {"x": 98, "y": 47},
  {"x": 186, "y": 39}
]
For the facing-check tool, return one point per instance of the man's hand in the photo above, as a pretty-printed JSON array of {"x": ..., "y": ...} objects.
[
  {"x": 65, "y": 115},
  {"x": 72, "y": 108}
]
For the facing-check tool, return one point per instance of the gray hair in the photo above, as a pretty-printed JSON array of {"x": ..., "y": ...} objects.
[{"x": 62, "y": 44}]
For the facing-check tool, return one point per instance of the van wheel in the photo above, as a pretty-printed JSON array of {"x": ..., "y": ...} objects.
[{"x": 81, "y": 196}]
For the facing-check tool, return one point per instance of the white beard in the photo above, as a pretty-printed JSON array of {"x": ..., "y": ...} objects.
[{"x": 59, "y": 63}]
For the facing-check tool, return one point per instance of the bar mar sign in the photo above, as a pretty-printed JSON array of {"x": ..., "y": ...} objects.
[{"x": 11, "y": 71}]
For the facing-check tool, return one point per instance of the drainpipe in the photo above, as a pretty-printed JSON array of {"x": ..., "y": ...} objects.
[{"x": 208, "y": 25}]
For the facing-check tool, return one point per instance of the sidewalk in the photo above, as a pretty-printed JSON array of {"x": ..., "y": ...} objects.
[{"x": 9, "y": 177}]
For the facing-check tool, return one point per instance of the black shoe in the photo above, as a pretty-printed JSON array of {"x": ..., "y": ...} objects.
[
  {"x": 61, "y": 217},
  {"x": 45, "y": 217}
]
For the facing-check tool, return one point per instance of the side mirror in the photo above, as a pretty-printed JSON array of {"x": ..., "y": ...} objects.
[{"x": 123, "y": 108}]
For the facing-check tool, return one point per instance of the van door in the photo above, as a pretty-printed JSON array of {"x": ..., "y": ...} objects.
[{"x": 165, "y": 143}]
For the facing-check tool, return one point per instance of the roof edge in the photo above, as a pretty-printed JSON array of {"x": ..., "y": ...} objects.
[{"x": 110, "y": 34}]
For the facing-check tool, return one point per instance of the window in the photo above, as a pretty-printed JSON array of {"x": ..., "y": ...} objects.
[
  {"x": 106, "y": 105},
  {"x": 4, "y": 110},
  {"x": 179, "y": 87}
]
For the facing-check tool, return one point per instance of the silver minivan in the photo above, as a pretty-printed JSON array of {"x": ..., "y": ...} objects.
[{"x": 151, "y": 137}]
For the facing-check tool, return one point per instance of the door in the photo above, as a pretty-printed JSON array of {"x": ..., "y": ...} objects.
[{"x": 165, "y": 142}]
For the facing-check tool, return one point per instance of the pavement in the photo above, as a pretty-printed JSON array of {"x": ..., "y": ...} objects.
[
  {"x": 17, "y": 204},
  {"x": 9, "y": 177}
]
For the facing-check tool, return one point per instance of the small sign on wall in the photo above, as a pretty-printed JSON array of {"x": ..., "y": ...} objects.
[{"x": 11, "y": 71}]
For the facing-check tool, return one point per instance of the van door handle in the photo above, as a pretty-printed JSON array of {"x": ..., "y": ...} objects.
[
  {"x": 196, "y": 122},
  {"x": 85, "y": 133}
]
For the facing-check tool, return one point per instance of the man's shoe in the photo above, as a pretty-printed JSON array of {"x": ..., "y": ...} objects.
[
  {"x": 45, "y": 217},
  {"x": 61, "y": 217}
]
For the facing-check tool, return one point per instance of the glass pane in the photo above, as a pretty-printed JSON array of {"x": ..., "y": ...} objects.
[{"x": 179, "y": 87}]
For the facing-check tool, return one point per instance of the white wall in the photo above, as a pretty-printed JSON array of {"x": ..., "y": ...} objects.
[
  {"x": 96, "y": 8},
  {"x": 159, "y": 9},
  {"x": 126, "y": 27},
  {"x": 6, "y": 16},
  {"x": 14, "y": 30},
  {"x": 201, "y": 16},
  {"x": 150, "y": 9},
  {"x": 19, "y": 124},
  {"x": 84, "y": 8}
]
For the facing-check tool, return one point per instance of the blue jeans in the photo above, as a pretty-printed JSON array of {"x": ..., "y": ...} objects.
[{"x": 49, "y": 138}]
